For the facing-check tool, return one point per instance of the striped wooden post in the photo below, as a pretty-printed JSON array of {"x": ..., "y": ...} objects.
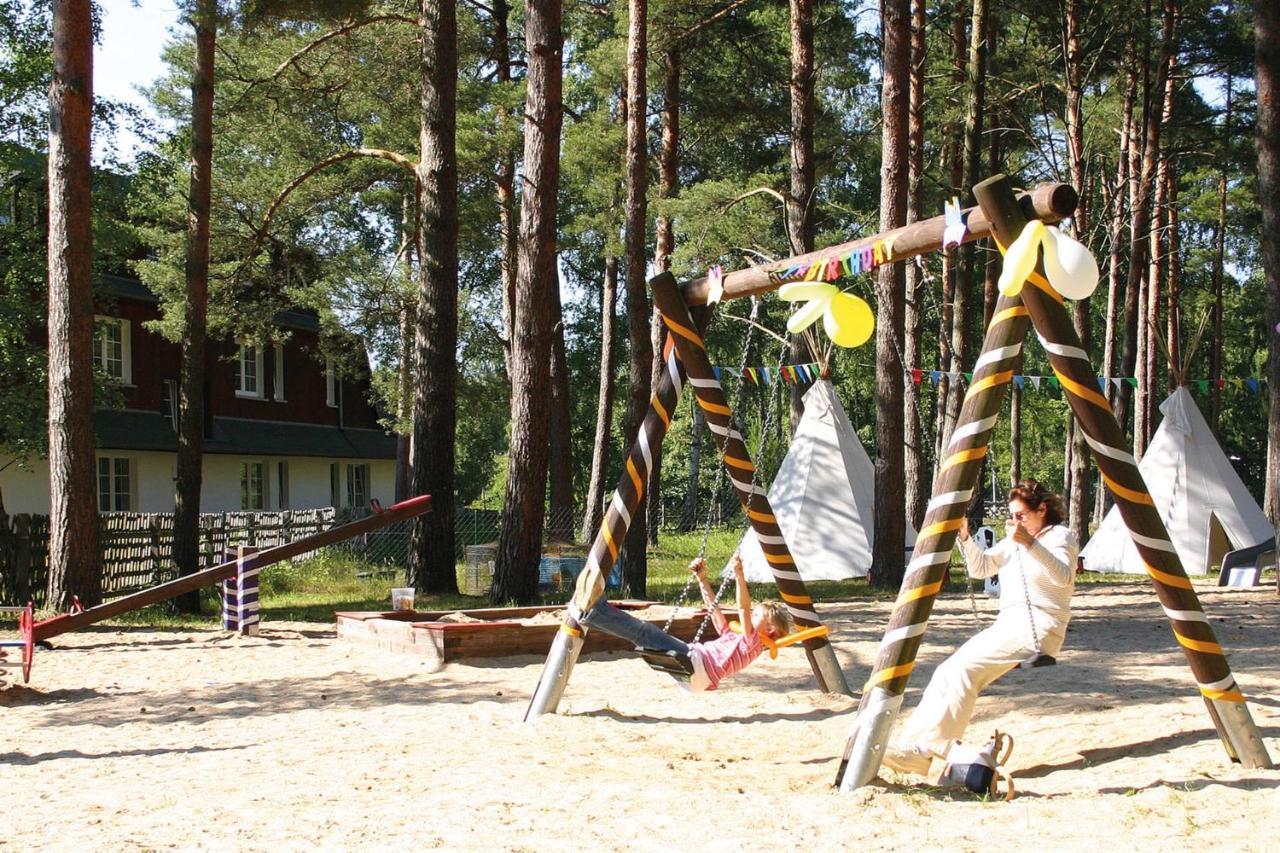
[
  {"x": 240, "y": 595},
  {"x": 755, "y": 500},
  {"x": 1124, "y": 481},
  {"x": 628, "y": 499},
  {"x": 952, "y": 490}
]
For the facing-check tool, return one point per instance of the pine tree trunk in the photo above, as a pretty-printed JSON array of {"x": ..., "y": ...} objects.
[
  {"x": 1141, "y": 218},
  {"x": 950, "y": 393},
  {"x": 639, "y": 317},
  {"x": 560, "y": 512},
  {"x": 689, "y": 519},
  {"x": 1266, "y": 31},
  {"x": 664, "y": 240},
  {"x": 967, "y": 288},
  {"x": 914, "y": 463},
  {"x": 1078, "y": 498},
  {"x": 431, "y": 554},
  {"x": 800, "y": 196},
  {"x": 1173, "y": 321},
  {"x": 604, "y": 408},
  {"x": 520, "y": 542},
  {"x": 1219, "y": 263},
  {"x": 505, "y": 181},
  {"x": 408, "y": 325},
  {"x": 186, "y": 501},
  {"x": 890, "y": 520},
  {"x": 1015, "y": 434},
  {"x": 75, "y": 563}
]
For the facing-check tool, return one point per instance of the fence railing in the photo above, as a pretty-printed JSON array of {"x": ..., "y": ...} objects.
[{"x": 137, "y": 548}]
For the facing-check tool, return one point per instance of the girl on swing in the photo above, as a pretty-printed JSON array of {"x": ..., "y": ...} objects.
[
  {"x": 1036, "y": 563},
  {"x": 707, "y": 663}
]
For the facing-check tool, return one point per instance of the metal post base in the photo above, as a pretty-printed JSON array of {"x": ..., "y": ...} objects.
[
  {"x": 867, "y": 739},
  {"x": 827, "y": 667},
  {"x": 1246, "y": 742},
  {"x": 555, "y": 673}
]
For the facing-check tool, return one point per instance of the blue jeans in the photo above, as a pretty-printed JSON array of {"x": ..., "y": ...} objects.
[{"x": 623, "y": 625}]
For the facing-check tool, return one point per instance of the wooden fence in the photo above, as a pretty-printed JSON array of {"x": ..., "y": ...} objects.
[{"x": 137, "y": 547}]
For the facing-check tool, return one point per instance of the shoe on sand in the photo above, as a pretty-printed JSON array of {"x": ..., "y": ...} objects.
[{"x": 909, "y": 760}]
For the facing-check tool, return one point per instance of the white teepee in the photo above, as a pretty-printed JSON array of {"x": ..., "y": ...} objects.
[
  {"x": 1191, "y": 480},
  {"x": 822, "y": 497}
]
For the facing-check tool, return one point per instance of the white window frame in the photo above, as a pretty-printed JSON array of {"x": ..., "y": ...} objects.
[
  {"x": 172, "y": 386},
  {"x": 355, "y": 500},
  {"x": 277, "y": 385},
  {"x": 330, "y": 384},
  {"x": 113, "y": 493},
  {"x": 241, "y": 390},
  {"x": 100, "y": 325},
  {"x": 246, "y": 497}
]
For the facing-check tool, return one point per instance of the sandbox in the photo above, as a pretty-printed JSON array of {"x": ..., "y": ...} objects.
[{"x": 441, "y": 636}]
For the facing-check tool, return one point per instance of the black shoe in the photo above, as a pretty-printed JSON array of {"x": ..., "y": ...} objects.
[{"x": 676, "y": 664}]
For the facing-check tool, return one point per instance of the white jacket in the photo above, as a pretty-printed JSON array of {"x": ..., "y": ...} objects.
[{"x": 1043, "y": 574}]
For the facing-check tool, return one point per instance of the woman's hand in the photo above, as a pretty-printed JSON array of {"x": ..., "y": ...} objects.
[
  {"x": 963, "y": 532},
  {"x": 1019, "y": 533}
]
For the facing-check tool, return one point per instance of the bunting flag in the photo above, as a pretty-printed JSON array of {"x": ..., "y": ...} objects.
[{"x": 1252, "y": 384}]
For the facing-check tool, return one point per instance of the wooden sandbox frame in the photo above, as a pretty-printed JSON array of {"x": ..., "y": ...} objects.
[{"x": 502, "y": 633}]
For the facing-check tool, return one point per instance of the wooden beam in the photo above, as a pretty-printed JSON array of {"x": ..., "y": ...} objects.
[
  {"x": 66, "y": 622},
  {"x": 1047, "y": 202}
]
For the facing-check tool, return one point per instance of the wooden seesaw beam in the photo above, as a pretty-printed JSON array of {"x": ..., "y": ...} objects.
[
  {"x": 66, "y": 622},
  {"x": 1049, "y": 203}
]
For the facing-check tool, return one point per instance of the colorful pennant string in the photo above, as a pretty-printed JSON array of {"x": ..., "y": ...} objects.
[{"x": 1252, "y": 384}]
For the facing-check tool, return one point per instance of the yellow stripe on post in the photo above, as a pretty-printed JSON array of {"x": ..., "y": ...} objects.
[
  {"x": 908, "y": 595},
  {"x": 1166, "y": 578},
  {"x": 684, "y": 332},
  {"x": 1009, "y": 314},
  {"x": 1223, "y": 695},
  {"x": 761, "y": 516},
  {"x": 888, "y": 674},
  {"x": 715, "y": 407},
  {"x": 780, "y": 558},
  {"x": 608, "y": 539},
  {"x": 740, "y": 464},
  {"x": 566, "y": 628},
  {"x": 1043, "y": 284},
  {"x": 1198, "y": 645},
  {"x": 940, "y": 527},
  {"x": 795, "y": 599},
  {"x": 1131, "y": 495},
  {"x": 635, "y": 478},
  {"x": 1082, "y": 392},
  {"x": 662, "y": 413},
  {"x": 1002, "y": 378},
  {"x": 964, "y": 456}
]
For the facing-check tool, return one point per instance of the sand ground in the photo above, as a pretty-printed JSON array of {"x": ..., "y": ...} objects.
[{"x": 292, "y": 740}]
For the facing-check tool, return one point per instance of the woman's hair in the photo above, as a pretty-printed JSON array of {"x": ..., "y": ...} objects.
[
  {"x": 776, "y": 616},
  {"x": 1034, "y": 495}
]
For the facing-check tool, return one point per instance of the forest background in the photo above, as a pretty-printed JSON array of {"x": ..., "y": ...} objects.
[{"x": 688, "y": 134}]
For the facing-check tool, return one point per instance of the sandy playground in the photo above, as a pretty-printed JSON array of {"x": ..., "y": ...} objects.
[{"x": 292, "y": 740}]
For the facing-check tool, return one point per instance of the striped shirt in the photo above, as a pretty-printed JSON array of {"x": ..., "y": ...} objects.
[
  {"x": 1043, "y": 574},
  {"x": 722, "y": 657}
]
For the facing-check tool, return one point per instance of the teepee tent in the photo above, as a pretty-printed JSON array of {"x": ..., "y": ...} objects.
[
  {"x": 1196, "y": 491},
  {"x": 822, "y": 497}
]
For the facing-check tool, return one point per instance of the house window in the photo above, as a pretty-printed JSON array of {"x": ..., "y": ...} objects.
[
  {"x": 357, "y": 485},
  {"x": 330, "y": 384},
  {"x": 253, "y": 485},
  {"x": 248, "y": 371},
  {"x": 282, "y": 485},
  {"x": 169, "y": 402},
  {"x": 277, "y": 388},
  {"x": 335, "y": 487},
  {"x": 115, "y": 487},
  {"x": 111, "y": 348}
]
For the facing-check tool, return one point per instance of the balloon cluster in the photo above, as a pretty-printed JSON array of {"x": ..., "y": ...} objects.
[
  {"x": 1068, "y": 264},
  {"x": 847, "y": 319}
]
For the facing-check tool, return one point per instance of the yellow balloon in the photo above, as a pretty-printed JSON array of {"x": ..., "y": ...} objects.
[{"x": 848, "y": 320}]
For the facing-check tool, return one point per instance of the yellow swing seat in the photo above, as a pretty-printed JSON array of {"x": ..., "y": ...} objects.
[{"x": 790, "y": 639}]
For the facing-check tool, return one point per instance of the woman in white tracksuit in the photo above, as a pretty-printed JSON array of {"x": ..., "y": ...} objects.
[{"x": 1036, "y": 563}]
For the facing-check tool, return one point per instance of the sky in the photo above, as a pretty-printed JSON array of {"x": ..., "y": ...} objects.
[{"x": 134, "y": 32}]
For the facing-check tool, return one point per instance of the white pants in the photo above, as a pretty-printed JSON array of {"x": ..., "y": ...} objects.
[{"x": 947, "y": 704}]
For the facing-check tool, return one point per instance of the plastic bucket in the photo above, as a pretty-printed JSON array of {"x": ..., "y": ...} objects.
[{"x": 402, "y": 598}]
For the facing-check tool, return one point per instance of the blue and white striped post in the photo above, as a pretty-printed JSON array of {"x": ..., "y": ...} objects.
[{"x": 240, "y": 595}]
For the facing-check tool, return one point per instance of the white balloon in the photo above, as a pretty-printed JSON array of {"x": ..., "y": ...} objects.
[{"x": 1069, "y": 265}]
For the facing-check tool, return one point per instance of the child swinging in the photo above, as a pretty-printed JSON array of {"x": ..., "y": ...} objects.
[{"x": 707, "y": 663}]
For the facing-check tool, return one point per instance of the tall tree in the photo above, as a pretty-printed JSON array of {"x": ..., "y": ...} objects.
[
  {"x": 75, "y": 566},
  {"x": 186, "y": 508},
  {"x": 505, "y": 176},
  {"x": 917, "y": 480},
  {"x": 890, "y": 527},
  {"x": 431, "y": 545},
  {"x": 634, "y": 558},
  {"x": 560, "y": 510},
  {"x": 520, "y": 542},
  {"x": 1266, "y": 32},
  {"x": 803, "y": 173},
  {"x": 604, "y": 399}
]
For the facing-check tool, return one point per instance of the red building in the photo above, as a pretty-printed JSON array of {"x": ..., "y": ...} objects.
[{"x": 283, "y": 428}]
